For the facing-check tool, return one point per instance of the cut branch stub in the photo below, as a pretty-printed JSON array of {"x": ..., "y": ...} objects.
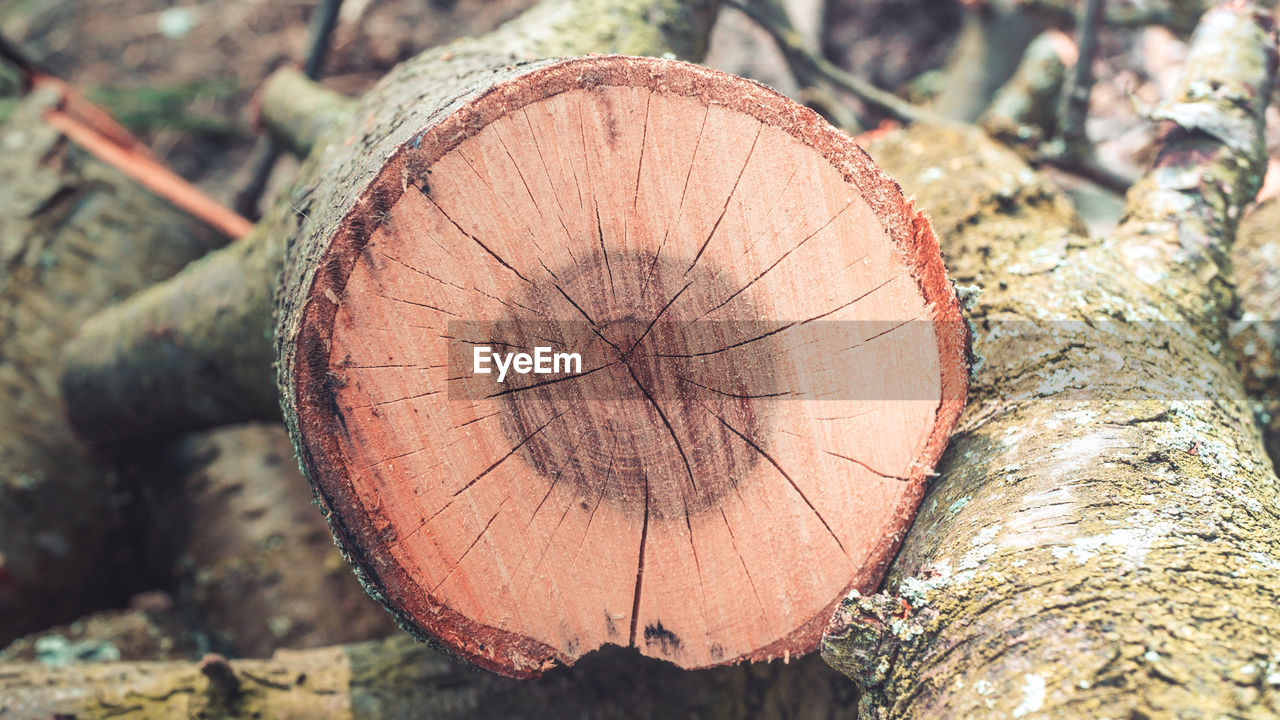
[{"x": 771, "y": 362}]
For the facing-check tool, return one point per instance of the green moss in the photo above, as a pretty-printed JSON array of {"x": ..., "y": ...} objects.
[{"x": 148, "y": 108}]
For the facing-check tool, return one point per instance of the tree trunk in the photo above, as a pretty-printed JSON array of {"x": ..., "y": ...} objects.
[
  {"x": 71, "y": 234},
  {"x": 1103, "y": 539},
  {"x": 543, "y": 208}
]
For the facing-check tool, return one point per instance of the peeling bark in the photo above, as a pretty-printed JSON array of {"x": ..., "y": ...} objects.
[{"x": 1103, "y": 539}]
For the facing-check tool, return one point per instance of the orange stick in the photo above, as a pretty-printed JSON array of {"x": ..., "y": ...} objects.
[{"x": 97, "y": 132}]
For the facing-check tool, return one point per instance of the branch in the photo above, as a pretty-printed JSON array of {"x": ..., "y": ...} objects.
[
  {"x": 1022, "y": 112},
  {"x": 298, "y": 111},
  {"x": 812, "y": 69},
  {"x": 1180, "y": 16},
  {"x": 267, "y": 152},
  {"x": 993, "y": 38},
  {"x": 1075, "y": 101},
  {"x": 1181, "y": 217}
]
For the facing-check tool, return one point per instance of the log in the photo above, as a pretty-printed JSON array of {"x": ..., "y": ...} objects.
[
  {"x": 196, "y": 353},
  {"x": 724, "y": 452},
  {"x": 1102, "y": 541},
  {"x": 400, "y": 678},
  {"x": 509, "y": 196},
  {"x": 75, "y": 235},
  {"x": 150, "y": 629},
  {"x": 1255, "y": 337}
]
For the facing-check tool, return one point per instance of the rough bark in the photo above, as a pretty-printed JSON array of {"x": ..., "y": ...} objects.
[
  {"x": 1255, "y": 337},
  {"x": 71, "y": 236},
  {"x": 196, "y": 351},
  {"x": 1102, "y": 541},
  {"x": 398, "y": 678},
  {"x": 255, "y": 565}
]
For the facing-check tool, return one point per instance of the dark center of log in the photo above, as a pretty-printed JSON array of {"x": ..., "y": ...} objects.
[{"x": 645, "y": 426}]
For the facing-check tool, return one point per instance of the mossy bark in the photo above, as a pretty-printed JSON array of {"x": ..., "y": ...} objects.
[
  {"x": 1104, "y": 539},
  {"x": 399, "y": 678},
  {"x": 196, "y": 351},
  {"x": 75, "y": 235}
]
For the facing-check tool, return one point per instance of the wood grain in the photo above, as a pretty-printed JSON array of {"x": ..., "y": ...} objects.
[{"x": 772, "y": 362}]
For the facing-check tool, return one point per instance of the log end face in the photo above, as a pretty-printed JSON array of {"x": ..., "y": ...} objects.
[{"x": 768, "y": 361}]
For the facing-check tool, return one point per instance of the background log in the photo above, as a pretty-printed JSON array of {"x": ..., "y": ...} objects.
[
  {"x": 71, "y": 235},
  {"x": 1103, "y": 541},
  {"x": 196, "y": 352},
  {"x": 526, "y": 200},
  {"x": 399, "y": 678}
]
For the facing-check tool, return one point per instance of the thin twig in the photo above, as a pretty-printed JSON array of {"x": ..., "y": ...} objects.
[
  {"x": 808, "y": 65},
  {"x": 12, "y": 54},
  {"x": 267, "y": 152},
  {"x": 1075, "y": 101}
]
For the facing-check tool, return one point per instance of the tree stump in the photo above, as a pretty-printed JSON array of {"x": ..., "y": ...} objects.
[{"x": 771, "y": 362}]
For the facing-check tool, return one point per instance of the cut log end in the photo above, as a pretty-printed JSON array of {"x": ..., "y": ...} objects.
[{"x": 771, "y": 360}]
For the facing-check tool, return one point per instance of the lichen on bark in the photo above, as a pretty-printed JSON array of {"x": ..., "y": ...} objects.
[{"x": 1102, "y": 540}]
